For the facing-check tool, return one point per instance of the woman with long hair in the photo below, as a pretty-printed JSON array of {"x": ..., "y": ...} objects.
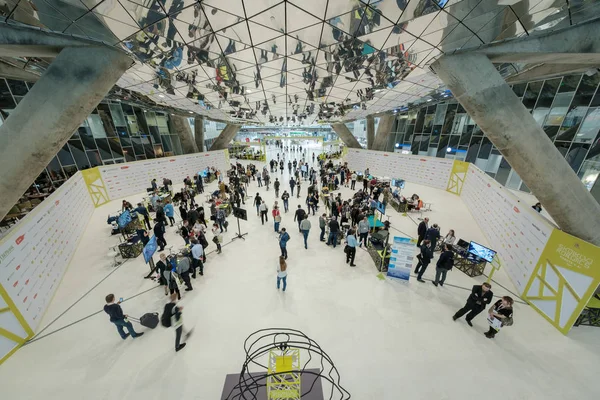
[{"x": 282, "y": 273}]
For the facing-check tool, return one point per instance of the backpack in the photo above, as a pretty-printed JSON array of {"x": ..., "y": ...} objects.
[{"x": 165, "y": 318}]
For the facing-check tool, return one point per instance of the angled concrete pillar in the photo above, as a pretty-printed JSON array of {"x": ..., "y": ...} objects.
[
  {"x": 384, "y": 130},
  {"x": 225, "y": 137},
  {"x": 477, "y": 85},
  {"x": 199, "y": 132},
  {"x": 347, "y": 137},
  {"x": 370, "y": 131},
  {"x": 76, "y": 81},
  {"x": 181, "y": 127}
]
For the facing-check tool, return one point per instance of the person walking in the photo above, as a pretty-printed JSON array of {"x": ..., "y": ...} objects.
[
  {"x": 144, "y": 212},
  {"x": 197, "y": 253},
  {"x": 350, "y": 248},
  {"x": 172, "y": 317},
  {"x": 284, "y": 237},
  {"x": 276, "y": 187},
  {"x": 334, "y": 228},
  {"x": 263, "y": 212},
  {"x": 305, "y": 229},
  {"x": 298, "y": 188},
  {"x": 363, "y": 231},
  {"x": 481, "y": 296},
  {"x": 444, "y": 264},
  {"x": 502, "y": 310},
  {"x": 221, "y": 219},
  {"x": 170, "y": 212},
  {"x": 159, "y": 232},
  {"x": 422, "y": 230},
  {"x": 217, "y": 237},
  {"x": 282, "y": 273},
  {"x": 259, "y": 180},
  {"x": 299, "y": 216},
  {"x": 286, "y": 203},
  {"x": 257, "y": 202},
  {"x": 267, "y": 179},
  {"x": 353, "y": 180},
  {"x": 424, "y": 258},
  {"x": 169, "y": 275},
  {"x": 276, "y": 218},
  {"x": 183, "y": 269},
  {"x": 292, "y": 185},
  {"x": 115, "y": 312},
  {"x": 322, "y": 224}
]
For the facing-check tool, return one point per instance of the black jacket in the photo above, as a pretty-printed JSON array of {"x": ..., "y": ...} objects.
[
  {"x": 426, "y": 254},
  {"x": 422, "y": 229},
  {"x": 159, "y": 229},
  {"x": 432, "y": 235},
  {"x": 334, "y": 226},
  {"x": 300, "y": 214},
  {"x": 477, "y": 296},
  {"x": 114, "y": 311},
  {"x": 446, "y": 260}
]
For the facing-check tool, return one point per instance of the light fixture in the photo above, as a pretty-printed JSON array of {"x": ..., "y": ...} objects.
[
  {"x": 190, "y": 112},
  {"x": 429, "y": 99},
  {"x": 449, "y": 149},
  {"x": 397, "y": 145},
  {"x": 161, "y": 95}
]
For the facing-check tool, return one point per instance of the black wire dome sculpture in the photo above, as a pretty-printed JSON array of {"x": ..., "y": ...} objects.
[{"x": 290, "y": 343}]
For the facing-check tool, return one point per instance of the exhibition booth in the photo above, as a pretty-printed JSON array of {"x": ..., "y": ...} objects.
[
  {"x": 35, "y": 254},
  {"x": 556, "y": 273}
]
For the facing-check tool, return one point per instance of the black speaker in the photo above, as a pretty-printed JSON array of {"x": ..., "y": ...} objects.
[{"x": 240, "y": 213}]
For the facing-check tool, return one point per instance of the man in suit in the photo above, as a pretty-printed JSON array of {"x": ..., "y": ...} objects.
[
  {"x": 481, "y": 296},
  {"x": 433, "y": 234},
  {"x": 422, "y": 230}
]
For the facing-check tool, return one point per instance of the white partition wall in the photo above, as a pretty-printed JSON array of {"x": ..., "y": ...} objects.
[
  {"x": 428, "y": 171},
  {"x": 34, "y": 257}
]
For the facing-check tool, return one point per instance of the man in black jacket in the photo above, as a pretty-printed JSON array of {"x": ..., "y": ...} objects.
[
  {"x": 425, "y": 258},
  {"x": 334, "y": 228},
  {"x": 444, "y": 264},
  {"x": 118, "y": 318},
  {"x": 481, "y": 296},
  {"x": 159, "y": 232},
  {"x": 433, "y": 234},
  {"x": 421, "y": 231},
  {"x": 299, "y": 216}
]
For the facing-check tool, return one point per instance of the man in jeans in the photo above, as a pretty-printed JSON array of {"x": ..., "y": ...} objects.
[
  {"x": 363, "y": 231},
  {"x": 334, "y": 228},
  {"x": 305, "y": 228},
  {"x": 299, "y": 216},
  {"x": 118, "y": 318},
  {"x": 286, "y": 200},
  {"x": 197, "y": 252},
  {"x": 322, "y": 222}
]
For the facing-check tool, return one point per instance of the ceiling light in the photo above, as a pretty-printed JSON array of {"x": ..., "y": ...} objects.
[
  {"x": 449, "y": 149},
  {"x": 161, "y": 95},
  {"x": 190, "y": 112}
]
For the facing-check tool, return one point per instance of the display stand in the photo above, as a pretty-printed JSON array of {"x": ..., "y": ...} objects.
[
  {"x": 470, "y": 266},
  {"x": 590, "y": 315},
  {"x": 240, "y": 213}
]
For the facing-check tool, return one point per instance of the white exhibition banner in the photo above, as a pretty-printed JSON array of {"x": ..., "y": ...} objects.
[
  {"x": 35, "y": 254},
  {"x": 401, "y": 259},
  {"x": 122, "y": 180},
  {"x": 513, "y": 229},
  {"x": 427, "y": 171}
]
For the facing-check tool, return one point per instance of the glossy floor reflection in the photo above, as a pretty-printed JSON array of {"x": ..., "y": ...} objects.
[{"x": 387, "y": 338}]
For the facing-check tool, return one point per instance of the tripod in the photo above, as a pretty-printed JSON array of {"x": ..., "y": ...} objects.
[{"x": 239, "y": 234}]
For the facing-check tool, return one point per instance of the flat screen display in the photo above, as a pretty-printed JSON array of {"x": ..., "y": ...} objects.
[
  {"x": 481, "y": 251},
  {"x": 380, "y": 207},
  {"x": 399, "y": 183},
  {"x": 150, "y": 249}
]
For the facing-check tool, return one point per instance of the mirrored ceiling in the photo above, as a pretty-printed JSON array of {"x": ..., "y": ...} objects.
[{"x": 292, "y": 62}]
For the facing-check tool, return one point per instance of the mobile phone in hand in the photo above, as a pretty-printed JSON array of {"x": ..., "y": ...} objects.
[{"x": 120, "y": 300}]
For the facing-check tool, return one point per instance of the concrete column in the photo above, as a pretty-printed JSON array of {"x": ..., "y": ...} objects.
[
  {"x": 75, "y": 82},
  {"x": 199, "y": 132},
  {"x": 225, "y": 137},
  {"x": 181, "y": 126},
  {"x": 488, "y": 99},
  {"x": 384, "y": 130},
  {"x": 347, "y": 137},
  {"x": 370, "y": 131}
]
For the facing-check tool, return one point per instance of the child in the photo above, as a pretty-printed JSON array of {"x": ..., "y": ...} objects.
[{"x": 217, "y": 237}]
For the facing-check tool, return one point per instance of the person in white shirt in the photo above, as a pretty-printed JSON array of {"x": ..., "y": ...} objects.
[
  {"x": 263, "y": 212},
  {"x": 197, "y": 252},
  {"x": 282, "y": 273},
  {"x": 450, "y": 238}
]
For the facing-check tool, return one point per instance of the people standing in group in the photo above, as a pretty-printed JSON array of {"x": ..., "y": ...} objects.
[
  {"x": 334, "y": 228},
  {"x": 424, "y": 257},
  {"x": 286, "y": 200},
  {"x": 284, "y": 237},
  {"x": 363, "y": 231},
  {"x": 263, "y": 212},
  {"x": 140, "y": 209},
  {"x": 159, "y": 232},
  {"x": 305, "y": 229},
  {"x": 183, "y": 269},
  {"x": 282, "y": 273},
  {"x": 444, "y": 264},
  {"x": 197, "y": 255},
  {"x": 257, "y": 202},
  {"x": 115, "y": 312},
  {"x": 502, "y": 310},
  {"x": 217, "y": 237},
  {"x": 276, "y": 218},
  {"x": 422, "y": 230},
  {"x": 350, "y": 248},
  {"x": 480, "y": 297}
]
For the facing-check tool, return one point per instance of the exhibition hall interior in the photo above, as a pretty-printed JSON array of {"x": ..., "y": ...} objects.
[{"x": 299, "y": 199}]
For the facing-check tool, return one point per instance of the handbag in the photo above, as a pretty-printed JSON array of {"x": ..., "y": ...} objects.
[
  {"x": 347, "y": 249},
  {"x": 508, "y": 321},
  {"x": 215, "y": 240},
  {"x": 278, "y": 218}
]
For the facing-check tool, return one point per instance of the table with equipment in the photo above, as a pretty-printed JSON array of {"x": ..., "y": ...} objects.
[
  {"x": 468, "y": 263},
  {"x": 590, "y": 315}
]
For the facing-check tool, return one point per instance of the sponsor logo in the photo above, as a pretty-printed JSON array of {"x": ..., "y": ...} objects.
[{"x": 20, "y": 239}]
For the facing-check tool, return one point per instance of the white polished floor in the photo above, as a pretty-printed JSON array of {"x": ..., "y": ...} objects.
[{"x": 388, "y": 339}]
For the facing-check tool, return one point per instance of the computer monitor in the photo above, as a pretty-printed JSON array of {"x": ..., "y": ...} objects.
[
  {"x": 462, "y": 243},
  {"x": 380, "y": 206},
  {"x": 399, "y": 183},
  {"x": 481, "y": 251},
  {"x": 150, "y": 249}
]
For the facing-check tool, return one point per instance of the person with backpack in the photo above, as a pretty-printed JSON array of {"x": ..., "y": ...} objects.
[
  {"x": 276, "y": 187},
  {"x": 115, "y": 312},
  {"x": 444, "y": 264},
  {"x": 172, "y": 317},
  {"x": 276, "y": 217},
  {"x": 299, "y": 216},
  {"x": 284, "y": 237},
  {"x": 221, "y": 219},
  {"x": 286, "y": 203},
  {"x": 282, "y": 273}
]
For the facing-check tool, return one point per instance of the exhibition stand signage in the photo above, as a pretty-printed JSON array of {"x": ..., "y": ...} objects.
[{"x": 401, "y": 260}]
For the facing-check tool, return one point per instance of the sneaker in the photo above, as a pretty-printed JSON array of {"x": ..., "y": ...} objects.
[{"x": 181, "y": 346}]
